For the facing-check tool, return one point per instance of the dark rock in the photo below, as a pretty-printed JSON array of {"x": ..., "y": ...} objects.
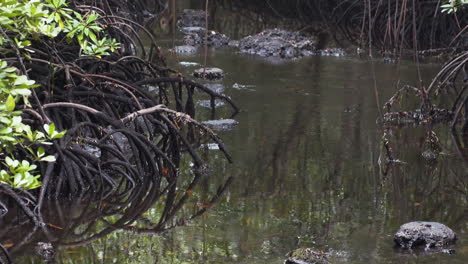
[
  {"x": 306, "y": 256},
  {"x": 119, "y": 139},
  {"x": 214, "y": 39},
  {"x": 215, "y": 87},
  {"x": 210, "y": 73},
  {"x": 224, "y": 124},
  {"x": 191, "y": 18},
  {"x": 278, "y": 43},
  {"x": 426, "y": 234},
  {"x": 91, "y": 149},
  {"x": 185, "y": 49},
  {"x": 207, "y": 103}
]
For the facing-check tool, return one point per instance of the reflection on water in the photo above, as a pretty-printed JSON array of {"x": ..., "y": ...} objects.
[{"x": 306, "y": 154}]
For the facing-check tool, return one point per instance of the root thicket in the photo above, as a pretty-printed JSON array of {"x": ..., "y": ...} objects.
[{"x": 123, "y": 142}]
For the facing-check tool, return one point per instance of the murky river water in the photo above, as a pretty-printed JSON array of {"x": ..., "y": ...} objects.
[{"x": 306, "y": 170}]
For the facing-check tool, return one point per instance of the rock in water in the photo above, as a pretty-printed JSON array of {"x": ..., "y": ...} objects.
[
  {"x": 191, "y": 30},
  {"x": 215, "y": 87},
  {"x": 278, "y": 43},
  {"x": 427, "y": 234},
  {"x": 207, "y": 103},
  {"x": 214, "y": 39},
  {"x": 306, "y": 256},
  {"x": 185, "y": 49},
  {"x": 224, "y": 124},
  {"x": 210, "y": 73}
]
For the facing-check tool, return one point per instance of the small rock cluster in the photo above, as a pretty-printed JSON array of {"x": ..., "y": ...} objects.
[
  {"x": 213, "y": 38},
  {"x": 278, "y": 43},
  {"x": 192, "y": 24},
  {"x": 269, "y": 43},
  {"x": 185, "y": 49},
  {"x": 210, "y": 73}
]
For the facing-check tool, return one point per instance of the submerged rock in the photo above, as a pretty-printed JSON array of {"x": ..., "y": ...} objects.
[
  {"x": 185, "y": 49},
  {"x": 191, "y": 18},
  {"x": 223, "y": 124},
  {"x": 306, "y": 256},
  {"x": 207, "y": 103},
  {"x": 278, "y": 43},
  {"x": 336, "y": 52},
  {"x": 191, "y": 30},
  {"x": 427, "y": 234},
  {"x": 210, "y": 73},
  {"x": 188, "y": 63},
  {"x": 215, "y": 87},
  {"x": 242, "y": 86}
]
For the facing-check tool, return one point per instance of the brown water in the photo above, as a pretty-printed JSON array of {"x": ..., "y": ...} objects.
[{"x": 306, "y": 170}]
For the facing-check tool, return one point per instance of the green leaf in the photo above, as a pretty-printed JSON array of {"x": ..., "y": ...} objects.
[
  {"x": 6, "y": 130},
  {"x": 49, "y": 158},
  {"x": 92, "y": 36},
  {"x": 40, "y": 152},
  {"x": 23, "y": 92},
  {"x": 10, "y": 103}
]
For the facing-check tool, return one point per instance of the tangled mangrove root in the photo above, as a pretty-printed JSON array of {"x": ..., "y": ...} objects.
[
  {"x": 452, "y": 83},
  {"x": 143, "y": 210},
  {"x": 453, "y": 80},
  {"x": 124, "y": 146},
  {"x": 388, "y": 25}
]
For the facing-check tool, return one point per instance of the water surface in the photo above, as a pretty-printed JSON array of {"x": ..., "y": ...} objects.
[{"x": 306, "y": 170}]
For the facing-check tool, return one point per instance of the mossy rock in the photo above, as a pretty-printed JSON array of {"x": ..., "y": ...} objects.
[{"x": 306, "y": 256}]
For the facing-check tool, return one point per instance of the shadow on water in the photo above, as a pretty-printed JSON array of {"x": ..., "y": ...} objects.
[{"x": 77, "y": 223}]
